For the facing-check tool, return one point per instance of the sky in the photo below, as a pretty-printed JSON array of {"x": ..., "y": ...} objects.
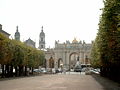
[{"x": 61, "y": 19}]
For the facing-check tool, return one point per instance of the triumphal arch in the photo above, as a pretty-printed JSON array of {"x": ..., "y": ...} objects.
[{"x": 68, "y": 53}]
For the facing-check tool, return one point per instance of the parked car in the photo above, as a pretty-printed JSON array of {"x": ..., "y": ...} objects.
[
  {"x": 96, "y": 71},
  {"x": 59, "y": 70},
  {"x": 77, "y": 69},
  {"x": 84, "y": 69},
  {"x": 44, "y": 71},
  {"x": 37, "y": 70}
]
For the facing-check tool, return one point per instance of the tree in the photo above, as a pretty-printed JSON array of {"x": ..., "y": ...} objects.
[
  {"x": 107, "y": 43},
  {"x": 15, "y": 54}
]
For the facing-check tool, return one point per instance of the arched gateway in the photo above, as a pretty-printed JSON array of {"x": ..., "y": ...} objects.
[
  {"x": 73, "y": 58},
  {"x": 66, "y": 54},
  {"x": 51, "y": 62},
  {"x": 60, "y": 62},
  {"x": 71, "y": 52}
]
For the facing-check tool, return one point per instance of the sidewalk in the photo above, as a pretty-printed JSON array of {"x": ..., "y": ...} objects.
[{"x": 106, "y": 83}]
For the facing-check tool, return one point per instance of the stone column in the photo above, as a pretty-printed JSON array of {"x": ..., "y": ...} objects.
[{"x": 56, "y": 61}]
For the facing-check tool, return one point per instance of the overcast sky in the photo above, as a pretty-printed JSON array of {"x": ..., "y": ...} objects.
[{"x": 61, "y": 19}]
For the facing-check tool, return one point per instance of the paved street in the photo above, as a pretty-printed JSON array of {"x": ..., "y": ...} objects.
[{"x": 59, "y": 82}]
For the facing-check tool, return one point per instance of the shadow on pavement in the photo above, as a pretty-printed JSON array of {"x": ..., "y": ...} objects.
[{"x": 106, "y": 83}]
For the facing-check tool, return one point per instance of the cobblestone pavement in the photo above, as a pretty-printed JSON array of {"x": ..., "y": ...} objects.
[{"x": 59, "y": 82}]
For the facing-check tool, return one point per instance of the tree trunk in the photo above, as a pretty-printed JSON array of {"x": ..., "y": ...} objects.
[
  {"x": 25, "y": 70},
  {"x": 32, "y": 70},
  {"x": 11, "y": 71},
  {"x": 7, "y": 70},
  {"x": 3, "y": 71},
  {"x": 20, "y": 70}
]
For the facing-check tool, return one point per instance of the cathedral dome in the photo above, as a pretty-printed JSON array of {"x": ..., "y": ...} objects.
[{"x": 74, "y": 41}]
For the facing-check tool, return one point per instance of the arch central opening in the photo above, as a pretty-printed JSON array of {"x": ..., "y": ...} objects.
[
  {"x": 73, "y": 58},
  {"x": 60, "y": 62},
  {"x": 51, "y": 62}
]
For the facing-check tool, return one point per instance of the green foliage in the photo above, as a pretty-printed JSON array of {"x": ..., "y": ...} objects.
[
  {"x": 17, "y": 53},
  {"x": 5, "y": 50},
  {"x": 106, "y": 47},
  {"x": 95, "y": 62}
]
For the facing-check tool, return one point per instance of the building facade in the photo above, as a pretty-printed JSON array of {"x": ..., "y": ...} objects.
[
  {"x": 3, "y": 32},
  {"x": 67, "y": 54},
  {"x": 30, "y": 43}
]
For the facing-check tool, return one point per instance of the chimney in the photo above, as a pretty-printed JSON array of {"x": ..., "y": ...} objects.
[{"x": 0, "y": 27}]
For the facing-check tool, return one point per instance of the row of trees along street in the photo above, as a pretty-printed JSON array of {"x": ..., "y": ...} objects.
[
  {"x": 106, "y": 48},
  {"x": 15, "y": 55}
]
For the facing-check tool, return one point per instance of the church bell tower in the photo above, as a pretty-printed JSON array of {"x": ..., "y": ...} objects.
[
  {"x": 42, "y": 39},
  {"x": 17, "y": 34}
]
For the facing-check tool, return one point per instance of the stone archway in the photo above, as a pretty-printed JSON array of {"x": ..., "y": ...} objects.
[
  {"x": 51, "y": 62},
  {"x": 73, "y": 58},
  {"x": 60, "y": 61}
]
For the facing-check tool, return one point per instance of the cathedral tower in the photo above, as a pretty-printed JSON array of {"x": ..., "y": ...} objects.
[
  {"x": 17, "y": 34},
  {"x": 42, "y": 40}
]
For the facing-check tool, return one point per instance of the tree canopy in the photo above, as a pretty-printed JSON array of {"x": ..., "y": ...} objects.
[
  {"x": 17, "y": 53},
  {"x": 106, "y": 48}
]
